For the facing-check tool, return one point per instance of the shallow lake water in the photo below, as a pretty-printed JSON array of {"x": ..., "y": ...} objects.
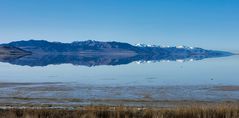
[
  {"x": 212, "y": 71},
  {"x": 212, "y": 79}
]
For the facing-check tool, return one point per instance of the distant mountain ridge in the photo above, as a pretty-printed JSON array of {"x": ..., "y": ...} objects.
[
  {"x": 94, "y": 53},
  {"x": 90, "y": 46},
  {"x": 42, "y": 46}
]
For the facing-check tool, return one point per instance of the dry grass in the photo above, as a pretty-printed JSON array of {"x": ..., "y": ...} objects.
[{"x": 219, "y": 111}]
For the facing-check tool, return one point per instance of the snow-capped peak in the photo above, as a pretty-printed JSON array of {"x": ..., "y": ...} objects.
[
  {"x": 145, "y": 45},
  {"x": 141, "y": 45},
  {"x": 180, "y": 46},
  {"x": 184, "y": 47}
]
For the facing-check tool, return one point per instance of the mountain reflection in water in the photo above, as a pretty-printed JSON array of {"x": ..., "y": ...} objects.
[{"x": 94, "y": 59}]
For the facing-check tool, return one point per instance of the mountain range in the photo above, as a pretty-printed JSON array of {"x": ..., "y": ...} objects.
[{"x": 92, "y": 53}]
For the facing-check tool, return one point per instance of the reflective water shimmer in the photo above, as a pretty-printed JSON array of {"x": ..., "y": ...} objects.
[
  {"x": 222, "y": 71},
  {"x": 209, "y": 79}
]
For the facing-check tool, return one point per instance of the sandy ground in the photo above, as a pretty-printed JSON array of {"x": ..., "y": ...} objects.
[{"x": 71, "y": 95}]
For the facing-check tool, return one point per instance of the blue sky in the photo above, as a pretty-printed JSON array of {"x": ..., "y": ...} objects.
[{"x": 212, "y": 24}]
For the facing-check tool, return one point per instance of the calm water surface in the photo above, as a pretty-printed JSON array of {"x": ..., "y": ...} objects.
[{"x": 213, "y": 71}]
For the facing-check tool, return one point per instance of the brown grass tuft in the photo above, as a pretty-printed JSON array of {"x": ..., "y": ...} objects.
[{"x": 220, "y": 111}]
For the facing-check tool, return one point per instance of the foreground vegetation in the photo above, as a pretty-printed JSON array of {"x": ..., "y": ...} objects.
[{"x": 220, "y": 111}]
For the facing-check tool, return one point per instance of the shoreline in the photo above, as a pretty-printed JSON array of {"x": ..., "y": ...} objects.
[
  {"x": 196, "y": 110},
  {"x": 127, "y": 104},
  {"x": 53, "y": 100}
]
